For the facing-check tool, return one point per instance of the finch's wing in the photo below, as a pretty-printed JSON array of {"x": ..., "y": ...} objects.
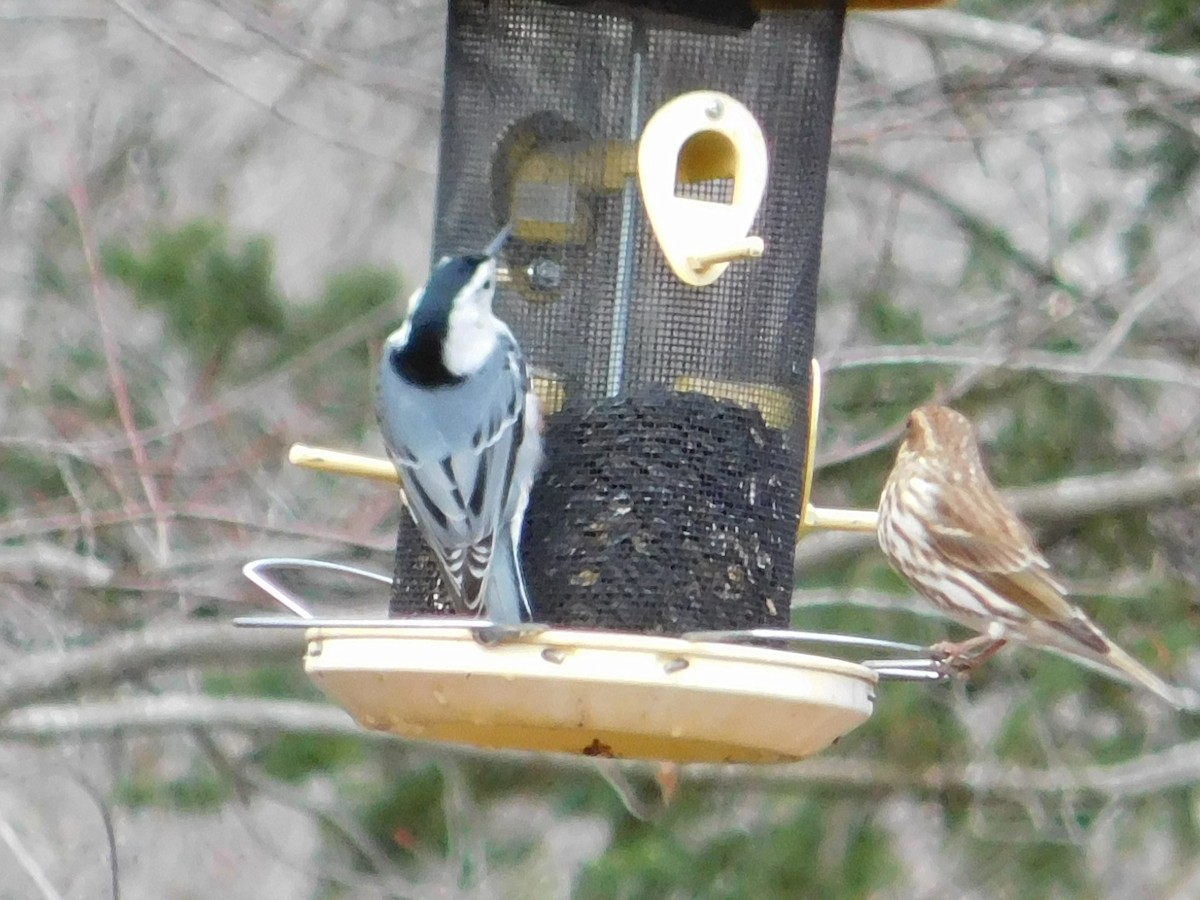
[
  {"x": 457, "y": 498},
  {"x": 975, "y": 531}
]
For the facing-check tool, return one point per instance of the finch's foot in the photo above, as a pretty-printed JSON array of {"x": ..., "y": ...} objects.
[{"x": 962, "y": 656}]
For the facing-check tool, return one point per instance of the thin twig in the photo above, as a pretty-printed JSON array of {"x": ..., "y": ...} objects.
[
  {"x": 116, "y": 375},
  {"x": 365, "y": 327},
  {"x": 75, "y": 491},
  {"x": 974, "y": 224},
  {"x": 24, "y": 528},
  {"x": 417, "y": 88},
  {"x": 139, "y": 16},
  {"x": 26, "y": 861},
  {"x": 248, "y": 780},
  {"x": 110, "y": 831},
  {"x": 1182, "y": 269},
  {"x": 77, "y": 193}
]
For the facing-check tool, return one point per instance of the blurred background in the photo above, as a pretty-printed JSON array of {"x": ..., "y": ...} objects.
[{"x": 210, "y": 215}]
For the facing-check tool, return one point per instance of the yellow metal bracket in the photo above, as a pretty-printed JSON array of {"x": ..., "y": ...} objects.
[
  {"x": 340, "y": 463},
  {"x": 818, "y": 518},
  {"x": 813, "y": 518}
]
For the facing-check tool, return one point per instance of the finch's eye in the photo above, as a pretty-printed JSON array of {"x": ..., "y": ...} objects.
[{"x": 487, "y": 285}]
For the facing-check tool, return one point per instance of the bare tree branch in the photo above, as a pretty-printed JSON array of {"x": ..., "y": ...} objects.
[
  {"x": 43, "y": 676},
  {"x": 1061, "y": 51},
  {"x": 42, "y": 559},
  {"x": 1058, "y": 501},
  {"x": 176, "y": 712},
  {"x": 1089, "y": 495},
  {"x": 1152, "y": 773},
  {"x": 1158, "y": 371},
  {"x": 863, "y": 599},
  {"x": 72, "y": 13},
  {"x": 825, "y": 547},
  {"x": 118, "y": 383}
]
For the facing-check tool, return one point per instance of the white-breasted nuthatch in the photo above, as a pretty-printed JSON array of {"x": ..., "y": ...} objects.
[{"x": 460, "y": 422}]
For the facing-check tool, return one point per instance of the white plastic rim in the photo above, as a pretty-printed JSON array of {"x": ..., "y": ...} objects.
[{"x": 593, "y": 693}]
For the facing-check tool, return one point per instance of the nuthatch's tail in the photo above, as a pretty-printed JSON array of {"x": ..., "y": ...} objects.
[{"x": 505, "y": 597}]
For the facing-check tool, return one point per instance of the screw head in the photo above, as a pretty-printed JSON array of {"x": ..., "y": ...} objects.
[{"x": 545, "y": 274}]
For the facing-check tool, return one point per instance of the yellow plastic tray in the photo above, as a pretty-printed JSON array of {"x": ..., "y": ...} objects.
[{"x": 592, "y": 693}]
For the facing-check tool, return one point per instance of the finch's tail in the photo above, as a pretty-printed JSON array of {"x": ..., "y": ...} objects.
[
  {"x": 505, "y": 597},
  {"x": 1101, "y": 654},
  {"x": 1180, "y": 698}
]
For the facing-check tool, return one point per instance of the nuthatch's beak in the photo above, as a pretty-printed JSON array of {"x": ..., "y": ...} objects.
[{"x": 498, "y": 241}]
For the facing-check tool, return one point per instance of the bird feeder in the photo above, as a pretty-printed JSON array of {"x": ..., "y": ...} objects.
[{"x": 663, "y": 167}]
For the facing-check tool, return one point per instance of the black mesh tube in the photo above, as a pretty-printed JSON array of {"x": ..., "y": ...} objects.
[{"x": 675, "y": 417}]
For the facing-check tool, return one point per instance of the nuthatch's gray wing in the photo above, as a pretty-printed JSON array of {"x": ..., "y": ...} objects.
[{"x": 466, "y": 454}]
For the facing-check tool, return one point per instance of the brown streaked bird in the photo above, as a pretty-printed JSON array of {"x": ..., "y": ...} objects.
[{"x": 947, "y": 530}]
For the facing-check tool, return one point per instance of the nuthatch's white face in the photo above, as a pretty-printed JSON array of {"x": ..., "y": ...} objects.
[
  {"x": 450, "y": 327},
  {"x": 473, "y": 328}
]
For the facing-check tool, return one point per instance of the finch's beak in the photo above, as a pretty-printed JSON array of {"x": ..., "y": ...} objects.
[{"x": 498, "y": 241}]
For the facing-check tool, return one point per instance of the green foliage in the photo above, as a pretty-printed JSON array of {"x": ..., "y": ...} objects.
[
  {"x": 294, "y": 757},
  {"x": 1172, "y": 159},
  {"x": 875, "y": 404},
  {"x": 347, "y": 295},
  {"x": 1179, "y": 817},
  {"x": 215, "y": 291},
  {"x": 989, "y": 262},
  {"x": 343, "y": 379},
  {"x": 1169, "y": 612},
  {"x": 288, "y": 757},
  {"x": 281, "y": 681},
  {"x": 1138, "y": 244},
  {"x": 1169, "y": 26},
  {"x": 24, "y": 475},
  {"x": 211, "y": 289},
  {"x": 407, "y": 813},
  {"x": 888, "y": 323},
  {"x": 820, "y": 846},
  {"x": 913, "y": 724},
  {"x": 1172, "y": 25},
  {"x": 49, "y": 277},
  {"x": 200, "y": 791},
  {"x": 1012, "y": 860},
  {"x": 1039, "y": 440}
]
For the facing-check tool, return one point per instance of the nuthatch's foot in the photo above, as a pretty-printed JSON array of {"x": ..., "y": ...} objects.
[{"x": 492, "y": 635}]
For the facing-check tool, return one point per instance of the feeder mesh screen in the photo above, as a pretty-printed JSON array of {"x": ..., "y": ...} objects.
[{"x": 674, "y": 417}]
